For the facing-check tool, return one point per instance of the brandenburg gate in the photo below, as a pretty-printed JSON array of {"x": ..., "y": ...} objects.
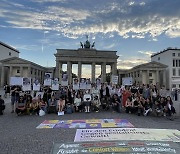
[{"x": 85, "y": 55}]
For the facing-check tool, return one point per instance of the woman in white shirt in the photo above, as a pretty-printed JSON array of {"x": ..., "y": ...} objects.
[{"x": 78, "y": 103}]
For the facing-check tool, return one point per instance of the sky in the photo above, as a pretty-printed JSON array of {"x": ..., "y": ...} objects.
[{"x": 134, "y": 28}]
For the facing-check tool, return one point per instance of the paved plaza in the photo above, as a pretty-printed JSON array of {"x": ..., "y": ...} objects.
[{"x": 18, "y": 134}]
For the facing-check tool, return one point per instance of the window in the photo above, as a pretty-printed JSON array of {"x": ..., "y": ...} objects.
[
  {"x": 18, "y": 71},
  {"x": 9, "y": 53},
  {"x": 178, "y": 54},
  {"x": 138, "y": 75},
  {"x": 173, "y": 54},
  {"x": 179, "y": 85},
  {"x": 31, "y": 72},
  {"x": 150, "y": 74},
  {"x": 179, "y": 63},
  {"x": 173, "y": 86},
  {"x": 158, "y": 58},
  {"x": 176, "y": 63},
  {"x": 179, "y": 72},
  {"x": 174, "y": 72},
  {"x": 173, "y": 63}
]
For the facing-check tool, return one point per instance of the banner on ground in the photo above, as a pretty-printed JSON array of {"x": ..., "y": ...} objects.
[
  {"x": 128, "y": 81},
  {"x": 110, "y": 134},
  {"x": 135, "y": 147},
  {"x": 114, "y": 79},
  {"x": 26, "y": 84},
  {"x": 16, "y": 81}
]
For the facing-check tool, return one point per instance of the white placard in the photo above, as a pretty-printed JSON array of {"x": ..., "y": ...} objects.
[
  {"x": 75, "y": 84},
  {"x": 110, "y": 134},
  {"x": 26, "y": 84},
  {"x": 114, "y": 79},
  {"x": 127, "y": 81},
  {"x": 55, "y": 84},
  {"x": 64, "y": 81},
  {"x": 83, "y": 83},
  {"x": 16, "y": 81}
]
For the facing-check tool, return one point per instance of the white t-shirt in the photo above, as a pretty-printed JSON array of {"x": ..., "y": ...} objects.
[
  {"x": 87, "y": 96},
  {"x": 77, "y": 101}
]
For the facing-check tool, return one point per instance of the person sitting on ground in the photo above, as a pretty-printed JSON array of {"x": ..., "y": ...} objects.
[
  {"x": 28, "y": 102},
  {"x": 104, "y": 104},
  {"x": 158, "y": 109},
  {"x": 61, "y": 104},
  {"x": 96, "y": 104},
  {"x": 42, "y": 105},
  {"x": 78, "y": 103},
  {"x": 87, "y": 101},
  {"x": 147, "y": 107},
  {"x": 170, "y": 110},
  {"x": 129, "y": 105},
  {"x": 141, "y": 104},
  {"x": 52, "y": 105},
  {"x": 34, "y": 107},
  {"x": 116, "y": 103},
  {"x": 2, "y": 106},
  {"x": 20, "y": 106}
]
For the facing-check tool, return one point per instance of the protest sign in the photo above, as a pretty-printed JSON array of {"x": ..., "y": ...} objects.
[
  {"x": 135, "y": 147},
  {"x": 128, "y": 134}
]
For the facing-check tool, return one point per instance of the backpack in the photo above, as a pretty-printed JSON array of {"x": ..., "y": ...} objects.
[{"x": 69, "y": 110}]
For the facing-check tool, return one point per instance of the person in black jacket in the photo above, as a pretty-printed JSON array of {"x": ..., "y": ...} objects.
[{"x": 2, "y": 106}]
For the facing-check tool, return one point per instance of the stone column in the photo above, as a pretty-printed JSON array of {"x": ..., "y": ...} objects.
[
  {"x": 29, "y": 72},
  {"x": 164, "y": 78},
  {"x": 93, "y": 66},
  {"x": 60, "y": 71},
  {"x": 79, "y": 69},
  {"x": 103, "y": 72},
  {"x": 2, "y": 76},
  {"x": 114, "y": 69},
  {"x": 69, "y": 72},
  {"x": 10, "y": 71},
  {"x": 57, "y": 69},
  {"x": 157, "y": 76},
  {"x": 141, "y": 77},
  {"x": 147, "y": 79},
  {"x": 21, "y": 71}
]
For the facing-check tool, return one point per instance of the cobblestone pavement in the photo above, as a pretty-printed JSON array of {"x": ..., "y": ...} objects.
[{"x": 18, "y": 135}]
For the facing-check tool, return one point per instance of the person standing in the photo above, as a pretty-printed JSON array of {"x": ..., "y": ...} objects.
[
  {"x": 2, "y": 106},
  {"x": 14, "y": 96}
]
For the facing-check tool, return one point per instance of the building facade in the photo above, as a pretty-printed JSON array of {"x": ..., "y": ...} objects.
[
  {"x": 171, "y": 58},
  {"x": 7, "y": 51},
  {"x": 89, "y": 56},
  {"x": 17, "y": 67},
  {"x": 148, "y": 73}
]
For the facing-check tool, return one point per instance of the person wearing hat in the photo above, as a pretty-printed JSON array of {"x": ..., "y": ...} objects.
[{"x": 2, "y": 106}]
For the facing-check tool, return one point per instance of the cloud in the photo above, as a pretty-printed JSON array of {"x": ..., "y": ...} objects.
[
  {"x": 130, "y": 63},
  {"x": 73, "y": 19},
  {"x": 147, "y": 53}
]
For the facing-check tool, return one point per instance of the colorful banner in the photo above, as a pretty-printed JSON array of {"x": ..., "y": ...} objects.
[
  {"x": 129, "y": 147},
  {"x": 110, "y": 134},
  {"x": 89, "y": 123}
]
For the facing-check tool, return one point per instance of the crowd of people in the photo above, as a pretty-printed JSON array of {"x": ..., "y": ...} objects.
[{"x": 140, "y": 100}]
